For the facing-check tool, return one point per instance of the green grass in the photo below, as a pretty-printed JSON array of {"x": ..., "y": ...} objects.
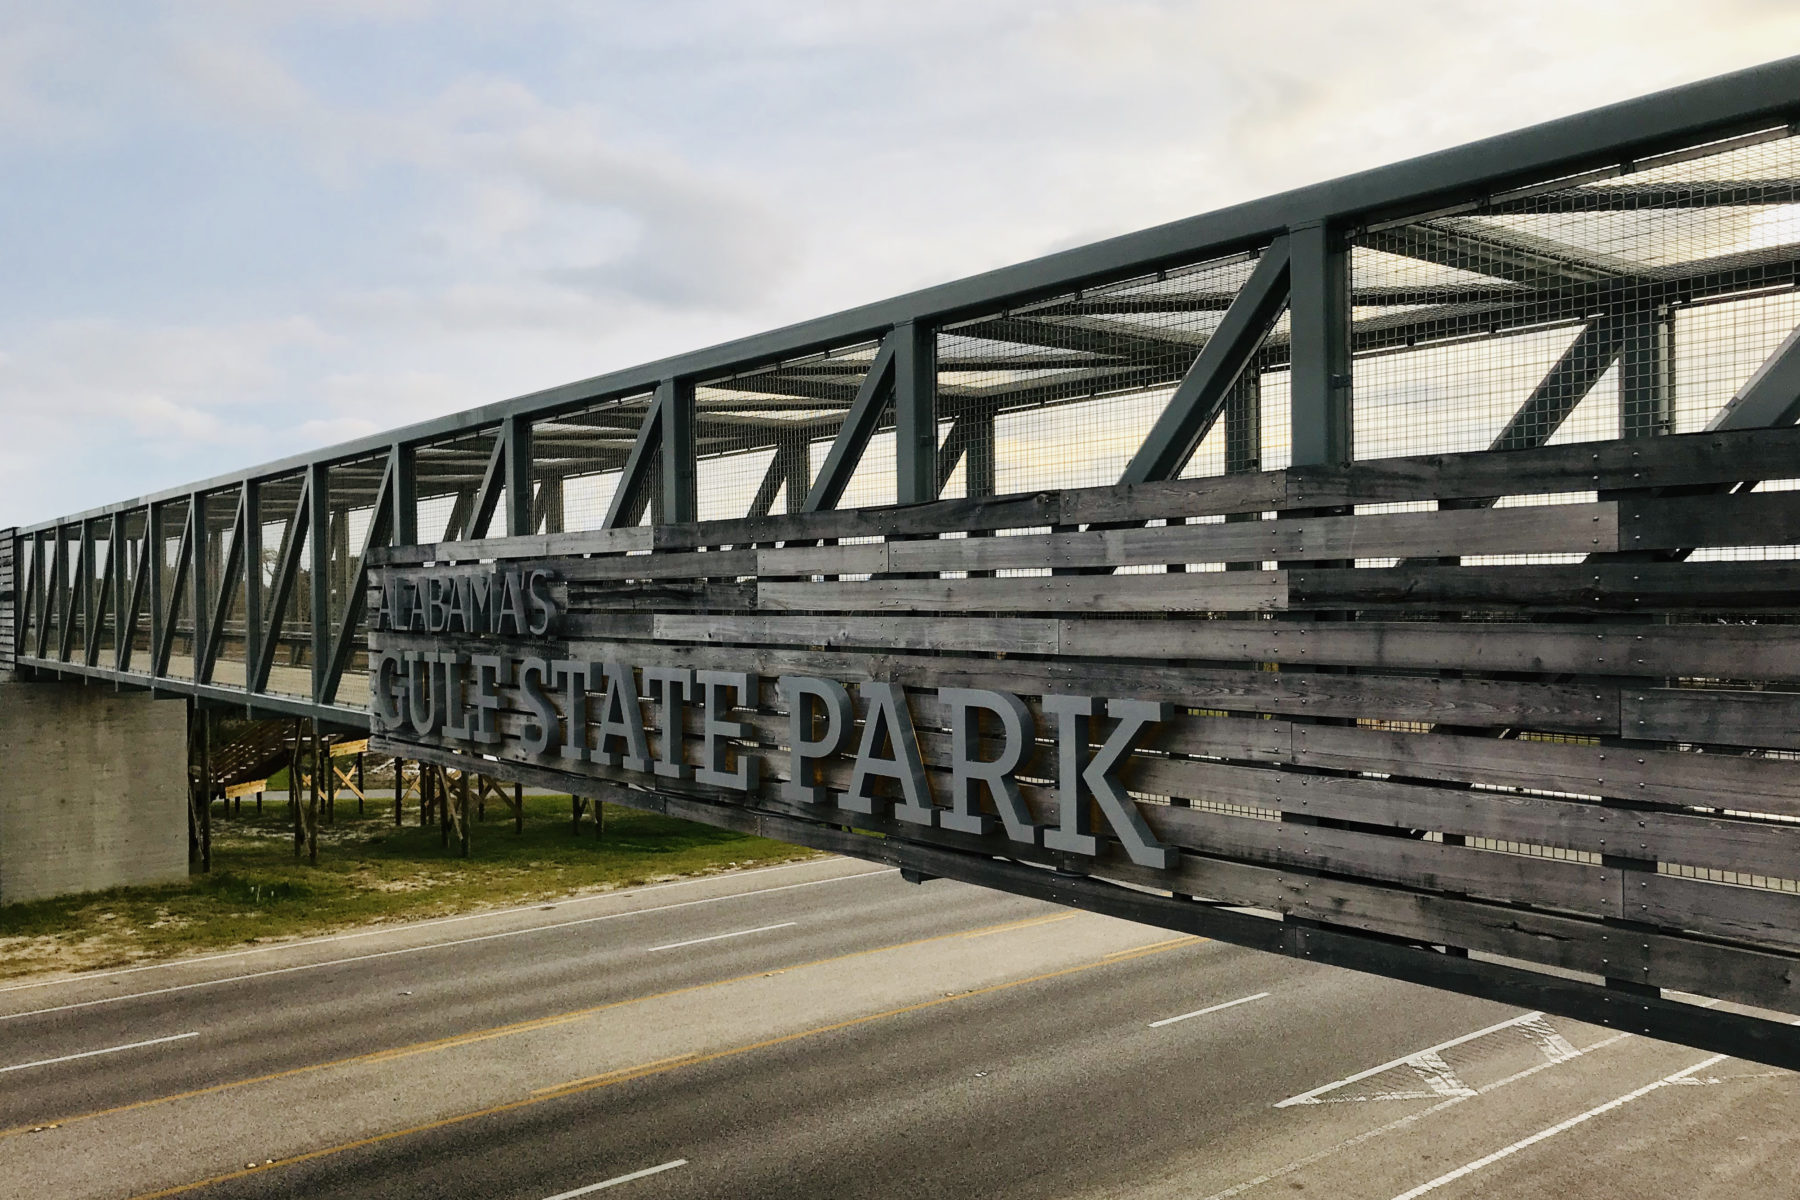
[{"x": 369, "y": 871}]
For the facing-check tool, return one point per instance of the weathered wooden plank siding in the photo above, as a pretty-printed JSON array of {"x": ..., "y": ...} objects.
[{"x": 1512, "y": 716}]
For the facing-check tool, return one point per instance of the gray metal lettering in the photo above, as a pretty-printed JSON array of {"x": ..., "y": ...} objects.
[
  {"x": 968, "y": 772},
  {"x": 542, "y": 730},
  {"x": 888, "y": 720},
  {"x": 807, "y": 699},
  {"x": 572, "y": 676},
  {"x": 424, "y": 694},
  {"x": 492, "y": 672},
  {"x": 669, "y": 687},
  {"x": 621, "y": 719},
  {"x": 715, "y": 730}
]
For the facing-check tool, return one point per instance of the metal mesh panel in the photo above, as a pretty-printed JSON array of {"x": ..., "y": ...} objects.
[
  {"x": 762, "y": 434},
  {"x": 874, "y": 480},
  {"x": 292, "y": 650},
  {"x": 1061, "y": 393},
  {"x": 49, "y": 620},
  {"x": 136, "y": 630},
  {"x": 100, "y": 608},
  {"x": 354, "y": 489},
  {"x": 1623, "y": 304},
  {"x": 178, "y": 606},
  {"x": 220, "y": 509},
  {"x": 576, "y": 460},
  {"x": 448, "y": 474}
]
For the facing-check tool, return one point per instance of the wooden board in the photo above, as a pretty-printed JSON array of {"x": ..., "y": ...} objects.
[{"x": 1502, "y": 729}]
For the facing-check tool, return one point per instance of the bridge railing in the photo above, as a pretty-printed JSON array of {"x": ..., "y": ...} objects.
[{"x": 1622, "y": 274}]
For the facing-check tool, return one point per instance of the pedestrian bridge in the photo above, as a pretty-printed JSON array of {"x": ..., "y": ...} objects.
[{"x": 1397, "y": 572}]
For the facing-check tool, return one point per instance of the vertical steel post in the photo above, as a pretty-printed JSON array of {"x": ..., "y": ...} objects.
[
  {"x": 199, "y": 580},
  {"x": 253, "y": 581},
  {"x": 1319, "y": 311},
  {"x": 516, "y": 465},
  {"x": 405, "y": 522},
  {"x": 1646, "y": 374},
  {"x": 318, "y": 517},
  {"x": 153, "y": 529},
  {"x": 680, "y": 490},
  {"x": 915, "y": 413},
  {"x": 118, "y": 557},
  {"x": 84, "y": 562}
]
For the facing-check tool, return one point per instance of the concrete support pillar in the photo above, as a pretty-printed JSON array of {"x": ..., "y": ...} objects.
[{"x": 93, "y": 789}]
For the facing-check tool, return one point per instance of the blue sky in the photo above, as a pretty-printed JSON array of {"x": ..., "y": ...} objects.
[{"x": 230, "y": 231}]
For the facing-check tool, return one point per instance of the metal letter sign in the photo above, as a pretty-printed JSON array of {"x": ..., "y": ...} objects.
[{"x": 482, "y": 668}]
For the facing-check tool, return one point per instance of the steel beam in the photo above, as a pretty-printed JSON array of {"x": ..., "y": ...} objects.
[
  {"x": 252, "y": 535},
  {"x": 487, "y": 496},
  {"x": 235, "y": 564},
  {"x": 171, "y": 609},
  {"x": 915, "y": 413},
  {"x": 146, "y": 565},
  {"x": 115, "y": 545},
  {"x": 515, "y": 438},
  {"x": 853, "y": 436},
  {"x": 1769, "y": 397},
  {"x": 357, "y": 595},
  {"x": 680, "y": 496},
  {"x": 1588, "y": 357},
  {"x": 403, "y": 461},
  {"x": 318, "y": 538},
  {"x": 74, "y": 609},
  {"x": 157, "y": 535},
  {"x": 97, "y": 606},
  {"x": 632, "y": 494},
  {"x": 1647, "y": 374},
  {"x": 1319, "y": 363},
  {"x": 1201, "y": 394}
]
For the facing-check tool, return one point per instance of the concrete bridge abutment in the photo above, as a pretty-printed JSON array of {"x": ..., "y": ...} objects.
[{"x": 93, "y": 789}]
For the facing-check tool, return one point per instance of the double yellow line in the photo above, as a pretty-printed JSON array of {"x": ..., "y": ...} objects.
[{"x": 591, "y": 1083}]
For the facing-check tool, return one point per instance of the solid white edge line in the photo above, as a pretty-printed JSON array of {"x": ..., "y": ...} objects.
[
  {"x": 618, "y": 1179},
  {"x": 719, "y": 937},
  {"x": 45, "y": 1062},
  {"x": 405, "y": 926},
  {"x": 485, "y": 937},
  {"x": 1559, "y": 1127},
  {"x": 1201, "y": 1012},
  {"x": 1305, "y": 1097}
]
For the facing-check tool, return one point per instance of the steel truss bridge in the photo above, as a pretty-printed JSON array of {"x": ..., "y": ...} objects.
[
  {"x": 1459, "y": 494},
  {"x": 1626, "y": 273}
]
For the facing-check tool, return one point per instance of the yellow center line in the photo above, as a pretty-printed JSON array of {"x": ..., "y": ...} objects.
[
  {"x": 1027, "y": 923},
  {"x": 1174, "y": 941},
  {"x": 592, "y": 1083},
  {"x": 482, "y": 1035}
]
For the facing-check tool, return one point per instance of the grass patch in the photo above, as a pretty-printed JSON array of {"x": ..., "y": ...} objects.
[{"x": 369, "y": 871}]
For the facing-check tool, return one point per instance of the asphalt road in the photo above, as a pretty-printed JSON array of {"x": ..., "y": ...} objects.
[{"x": 825, "y": 1029}]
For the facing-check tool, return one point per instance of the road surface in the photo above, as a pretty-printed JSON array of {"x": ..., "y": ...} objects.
[{"x": 826, "y": 1029}]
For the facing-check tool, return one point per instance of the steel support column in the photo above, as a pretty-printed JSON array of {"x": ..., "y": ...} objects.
[
  {"x": 1319, "y": 313},
  {"x": 515, "y": 442},
  {"x": 915, "y": 413},
  {"x": 318, "y": 521},
  {"x": 680, "y": 503}
]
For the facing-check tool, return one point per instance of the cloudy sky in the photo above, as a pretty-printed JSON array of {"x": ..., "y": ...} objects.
[{"x": 231, "y": 231}]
